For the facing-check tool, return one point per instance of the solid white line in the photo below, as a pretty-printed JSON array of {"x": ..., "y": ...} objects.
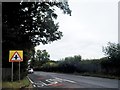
[{"x": 30, "y": 80}]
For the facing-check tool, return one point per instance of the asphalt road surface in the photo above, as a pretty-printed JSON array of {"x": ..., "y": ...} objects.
[{"x": 56, "y": 80}]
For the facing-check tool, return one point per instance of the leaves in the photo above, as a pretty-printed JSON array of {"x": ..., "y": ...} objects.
[
  {"x": 112, "y": 50},
  {"x": 42, "y": 55},
  {"x": 29, "y": 19},
  {"x": 28, "y": 24}
]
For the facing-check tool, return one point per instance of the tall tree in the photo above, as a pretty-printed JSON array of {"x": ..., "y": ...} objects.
[
  {"x": 42, "y": 55},
  {"x": 27, "y": 24},
  {"x": 32, "y": 22},
  {"x": 112, "y": 50}
]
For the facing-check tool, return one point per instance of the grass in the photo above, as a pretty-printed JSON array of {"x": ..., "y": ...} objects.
[{"x": 16, "y": 84}]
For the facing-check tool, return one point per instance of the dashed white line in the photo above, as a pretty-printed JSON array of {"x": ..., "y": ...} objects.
[
  {"x": 69, "y": 81},
  {"x": 34, "y": 85}
]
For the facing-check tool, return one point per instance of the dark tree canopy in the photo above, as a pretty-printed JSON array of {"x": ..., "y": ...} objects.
[
  {"x": 112, "y": 62},
  {"x": 32, "y": 22},
  {"x": 42, "y": 55},
  {"x": 28, "y": 24},
  {"x": 112, "y": 50}
]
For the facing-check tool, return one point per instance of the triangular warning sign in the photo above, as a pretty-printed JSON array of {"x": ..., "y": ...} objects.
[{"x": 16, "y": 56}]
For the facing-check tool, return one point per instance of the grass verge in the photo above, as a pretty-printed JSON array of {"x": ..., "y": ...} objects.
[{"x": 16, "y": 84}]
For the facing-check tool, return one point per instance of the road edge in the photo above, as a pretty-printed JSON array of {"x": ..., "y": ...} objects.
[{"x": 31, "y": 82}]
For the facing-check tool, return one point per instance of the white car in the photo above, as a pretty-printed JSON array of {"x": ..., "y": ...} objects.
[{"x": 30, "y": 70}]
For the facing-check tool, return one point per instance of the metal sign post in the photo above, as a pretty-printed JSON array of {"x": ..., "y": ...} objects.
[
  {"x": 12, "y": 73},
  {"x": 19, "y": 71},
  {"x": 15, "y": 56}
]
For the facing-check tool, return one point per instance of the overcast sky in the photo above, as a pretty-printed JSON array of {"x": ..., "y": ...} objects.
[{"x": 92, "y": 25}]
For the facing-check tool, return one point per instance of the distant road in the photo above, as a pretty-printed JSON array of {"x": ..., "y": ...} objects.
[{"x": 56, "y": 80}]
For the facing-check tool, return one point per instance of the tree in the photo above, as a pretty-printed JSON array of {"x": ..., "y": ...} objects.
[
  {"x": 38, "y": 55},
  {"x": 69, "y": 64},
  {"x": 42, "y": 55},
  {"x": 33, "y": 22},
  {"x": 112, "y": 51},
  {"x": 26, "y": 25},
  {"x": 77, "y": 58}
]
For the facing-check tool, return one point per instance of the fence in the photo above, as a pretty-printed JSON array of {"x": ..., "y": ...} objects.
[{"x": 6, "y": 73}]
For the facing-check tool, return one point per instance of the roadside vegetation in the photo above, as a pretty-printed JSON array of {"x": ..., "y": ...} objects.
[
  {"x": 104, "y": 67},
  {"x": 26, "y": 25},
  {"x": 16, "y": 84}
]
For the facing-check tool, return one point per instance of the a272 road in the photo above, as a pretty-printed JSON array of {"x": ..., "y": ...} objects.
[{"x": 55, "y": 80}]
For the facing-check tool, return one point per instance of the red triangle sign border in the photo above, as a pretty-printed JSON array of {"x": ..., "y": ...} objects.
[{"x": 13, "y": 56}]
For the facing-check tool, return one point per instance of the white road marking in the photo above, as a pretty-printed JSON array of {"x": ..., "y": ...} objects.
[
  {"x": 60, "y": 79},
  {"x": 30, "y": 80},
  {"x": 69, "y": 81},
  {"x": 34, "y": 85},
  {"x": 40, "y": 84},
  {"x": 43, "y": 83},
  {"x": 50, "y": 81}
]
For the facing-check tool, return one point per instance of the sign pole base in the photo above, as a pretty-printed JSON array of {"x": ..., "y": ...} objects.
[
  {"x": 12, "y": 73},
  {"x": 19, "y": 71}
]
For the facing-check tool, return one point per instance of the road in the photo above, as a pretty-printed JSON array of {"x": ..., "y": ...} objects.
[{"x": 55, "y": 80}]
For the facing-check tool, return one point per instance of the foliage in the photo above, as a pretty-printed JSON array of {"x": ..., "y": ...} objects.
[
  {"x": 42, "y": 55},
  {"x": 112, "y": 62},
  {"x": 69, "y": 64},
  {"x": 112, "y": 51},
  {"x": 49, "y": 66},
  {"x": 28, "y": 24},
  {"x": 92, "y": 65},
  {"x": 97, "y": 67},
  {"x": 16, "y": 84},
  {"x": 33, "y": 22}
]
